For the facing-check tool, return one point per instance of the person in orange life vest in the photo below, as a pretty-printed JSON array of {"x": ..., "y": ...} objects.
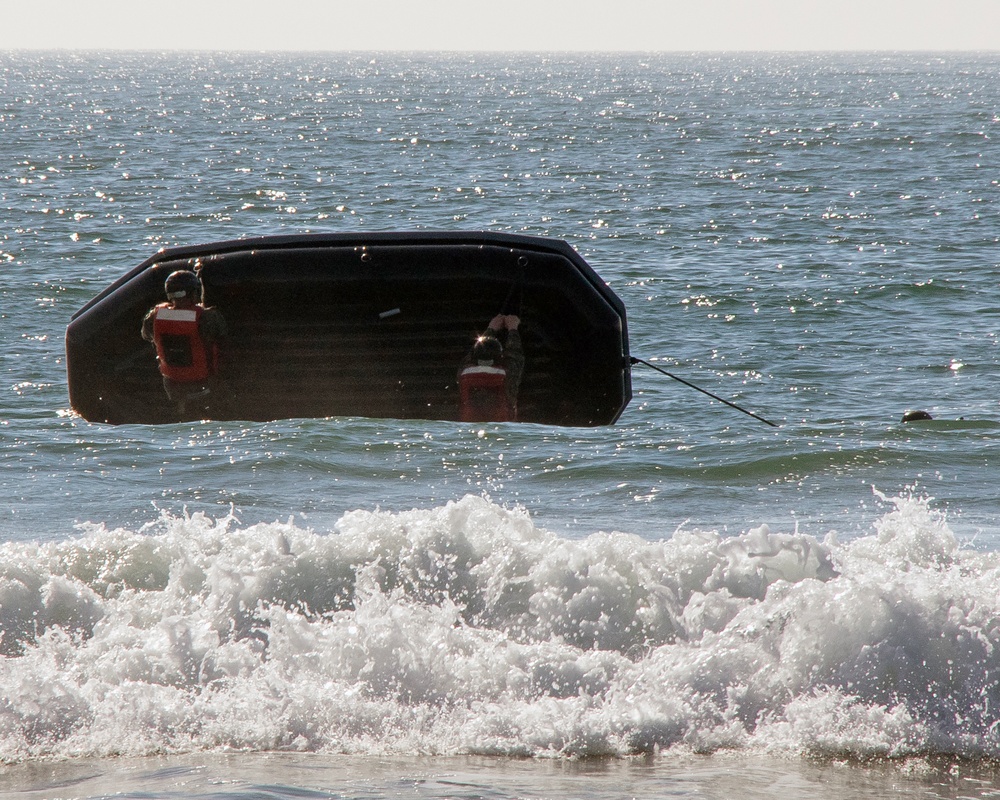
[
  {"x": 186, "y": 335},
  {"x": 490, "y": 377}
]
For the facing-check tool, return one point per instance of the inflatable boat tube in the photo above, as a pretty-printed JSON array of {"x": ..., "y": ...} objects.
[{"x": 363, "y": 325}]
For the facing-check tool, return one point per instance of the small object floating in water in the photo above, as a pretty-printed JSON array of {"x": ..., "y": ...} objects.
[
  {"x": 368, "y": 325},
  {"x": 915, "y": 416}
]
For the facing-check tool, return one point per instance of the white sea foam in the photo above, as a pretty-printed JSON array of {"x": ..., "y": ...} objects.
[{"x": 467, "y": 629}]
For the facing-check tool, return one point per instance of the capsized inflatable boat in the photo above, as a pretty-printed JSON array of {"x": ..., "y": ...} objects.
[{"x": 370, "y": 325}]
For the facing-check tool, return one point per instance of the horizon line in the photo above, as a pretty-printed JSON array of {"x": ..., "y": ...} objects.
[{"x": 492, "y": 51}]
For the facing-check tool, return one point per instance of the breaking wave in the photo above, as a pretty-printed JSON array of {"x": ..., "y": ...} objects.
[{"x": 466, "y": 629}]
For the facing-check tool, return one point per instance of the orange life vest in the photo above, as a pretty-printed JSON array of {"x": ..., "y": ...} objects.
[
  {"x": 182, "y": 353},
  {"x": 483, "y": 395}
]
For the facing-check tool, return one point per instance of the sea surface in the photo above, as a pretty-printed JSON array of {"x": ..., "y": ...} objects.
[{"x": 688, "y": 603}]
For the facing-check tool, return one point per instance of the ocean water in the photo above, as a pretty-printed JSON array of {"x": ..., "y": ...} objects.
[{"x": 687, "y": 603}]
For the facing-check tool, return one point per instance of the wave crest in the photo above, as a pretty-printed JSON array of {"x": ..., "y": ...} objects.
[{"x": 467, "y": 629}]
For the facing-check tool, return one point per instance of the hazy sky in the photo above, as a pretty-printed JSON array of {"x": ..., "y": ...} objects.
[{"x": 506, "y": 25}]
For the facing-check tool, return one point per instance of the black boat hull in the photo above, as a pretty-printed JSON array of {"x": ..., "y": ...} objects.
[{"x": 371, "y": 325}]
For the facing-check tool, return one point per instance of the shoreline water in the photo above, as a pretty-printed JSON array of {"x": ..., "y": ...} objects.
[{"x": 283, "y": 776}]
